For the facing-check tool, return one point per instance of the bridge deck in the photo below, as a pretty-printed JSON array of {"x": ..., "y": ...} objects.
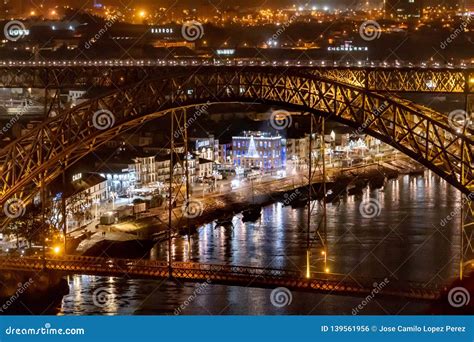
[{"x": 336, "y": 284}]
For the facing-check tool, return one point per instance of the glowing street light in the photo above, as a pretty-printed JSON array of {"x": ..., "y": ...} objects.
[
  {"x": 57, "y": 250},
  {"x": 308, "y": 266}
]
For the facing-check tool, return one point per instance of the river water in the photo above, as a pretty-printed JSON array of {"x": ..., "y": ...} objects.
[{"x": 405, "y": 241}]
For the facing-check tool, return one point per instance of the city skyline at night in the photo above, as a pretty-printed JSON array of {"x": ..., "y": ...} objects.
[{"x": 238, "y": 158}]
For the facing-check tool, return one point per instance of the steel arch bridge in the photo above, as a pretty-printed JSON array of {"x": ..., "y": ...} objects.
[
  {"x": 117, "y": 73},
  {"x": 35, "y": 159}
]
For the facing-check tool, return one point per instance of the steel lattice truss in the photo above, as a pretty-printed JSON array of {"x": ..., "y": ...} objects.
[
  {"x": 419, "y": 132},
  {"x": 400, "y": 80}
]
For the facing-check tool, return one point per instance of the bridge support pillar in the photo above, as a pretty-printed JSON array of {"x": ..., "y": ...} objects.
[
  {"x": 316, "y": 167},
  {"x": 178, "y": 197}
]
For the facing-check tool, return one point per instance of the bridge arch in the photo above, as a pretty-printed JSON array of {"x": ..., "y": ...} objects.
[{"x": 421, "y": 133}]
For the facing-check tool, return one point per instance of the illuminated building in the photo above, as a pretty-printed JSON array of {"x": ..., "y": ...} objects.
[
  {"x": 258, "y": 150},
  {"x": 206, "y": 148},
  {"x": 348, "y": 47}
]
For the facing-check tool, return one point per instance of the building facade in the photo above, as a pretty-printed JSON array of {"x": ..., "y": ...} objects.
[
  {"x": 260, "y": 150},
  {"x": 145, "y": 170},
  {"x": 155, "y": 170},
  {"x": 205, "y": 168},
  {"x": 225, "y": 154},
  {"x": 206, "y": 148}
]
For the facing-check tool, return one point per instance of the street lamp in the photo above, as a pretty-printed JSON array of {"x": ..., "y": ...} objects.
[{"x": 333, "y": 145}]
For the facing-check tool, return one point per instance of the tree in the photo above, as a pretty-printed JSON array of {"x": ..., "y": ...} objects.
[
  {"x": 77, "y": 206},
  {"x": 30, "y": 226}
]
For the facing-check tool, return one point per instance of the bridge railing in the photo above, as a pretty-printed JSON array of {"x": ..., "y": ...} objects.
[
  {"x": 198, "y": 270},
  {"x": 176, "y": 62}
]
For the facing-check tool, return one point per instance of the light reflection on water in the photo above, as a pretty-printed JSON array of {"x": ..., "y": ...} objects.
[{"x": 406, "y": 242}]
